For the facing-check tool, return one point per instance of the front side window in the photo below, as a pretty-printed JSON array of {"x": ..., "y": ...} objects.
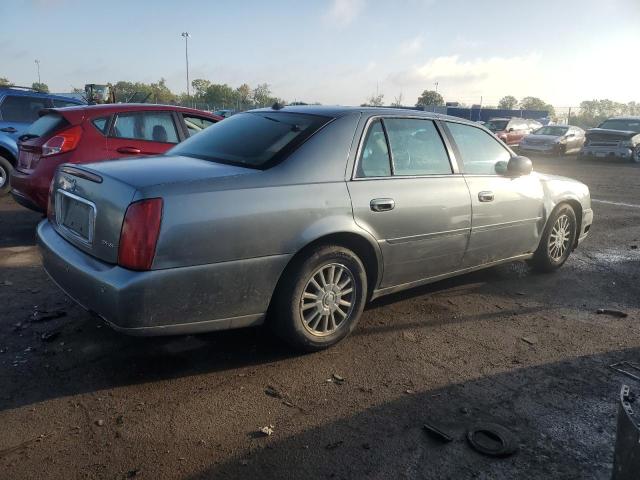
[
  {"x": 481, "y": 153},
  {"x": 196, "y": 124},
  {"x": 416, "y": 147},
  {"x": 150, "y": 126},
  {"x": 374, "y": 158},
  {"x": 22, "y": 108}
]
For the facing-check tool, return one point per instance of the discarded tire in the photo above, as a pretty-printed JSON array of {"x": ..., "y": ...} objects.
[{"x": 492, "y": 440}]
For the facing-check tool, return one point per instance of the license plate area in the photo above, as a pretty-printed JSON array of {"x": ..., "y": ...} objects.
[{"x": 75, "y": 216}]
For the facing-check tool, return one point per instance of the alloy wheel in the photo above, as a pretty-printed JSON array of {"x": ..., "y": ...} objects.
[
  {"x": 328, "y": 299},
  {"x": 559, "y": 238}
]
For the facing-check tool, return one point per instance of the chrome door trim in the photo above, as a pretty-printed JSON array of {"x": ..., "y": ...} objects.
[{"x": 415, "y": 238}]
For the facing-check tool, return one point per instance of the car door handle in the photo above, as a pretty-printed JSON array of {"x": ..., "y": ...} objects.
[
  {"x": 382, "y": 204},
  {"x": 8, "y": 130},
  {"x": 129, "y": 150},
  {"x": 485, "y": 196}
]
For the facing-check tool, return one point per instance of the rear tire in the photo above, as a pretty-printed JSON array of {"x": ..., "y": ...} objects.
[
  {"x": 5, "y": 171},
  {"x": 320, "y": 299},
  {"x": 557, "y": 240}
]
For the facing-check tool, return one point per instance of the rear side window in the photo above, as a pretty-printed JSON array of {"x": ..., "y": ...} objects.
[
  {"x": 196, "y": 124},
  {"x": 150, "y": 126},
  {"x": 374, "y": 158},
  {"x": 416, "y": 147},
  {"x": 255, "y": 140},
  {"x": 480, "y": 151},
  {"x": 101, "y": 124},
  {"x": 46, "y": 125},
  {"x": 23, "y": 109}
]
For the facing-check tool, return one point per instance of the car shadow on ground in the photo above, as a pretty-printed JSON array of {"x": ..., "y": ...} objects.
[
  {"x": 562, "y": 414},
  {"x": 18, "y": 227},
  {"x": 85, "y": 355}
]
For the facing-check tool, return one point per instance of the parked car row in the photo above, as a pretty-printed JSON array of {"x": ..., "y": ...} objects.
[
  {"x": 512, "y": 130},
  {"x": 615, "y": 138},
  {"x": 293, "y": 216},
  {"x": 95, "y": 133},
  {"x": 19, "y": 107}
]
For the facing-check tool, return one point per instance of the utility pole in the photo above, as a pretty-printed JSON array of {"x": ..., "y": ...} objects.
[
  {"x": 37, "y": 62},
  {"x": 186, "y": 37},
  {"x": 436, "y": 85}
]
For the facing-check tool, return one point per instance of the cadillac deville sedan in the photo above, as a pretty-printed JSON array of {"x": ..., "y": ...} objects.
[{"x": 296, "y": 217}]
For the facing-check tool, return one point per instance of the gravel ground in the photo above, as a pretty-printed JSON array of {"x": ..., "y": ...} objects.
[{"x": 505, "y": 345}]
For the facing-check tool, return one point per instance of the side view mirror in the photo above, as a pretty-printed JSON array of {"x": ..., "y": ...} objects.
[{"x": 519, "y": 166}]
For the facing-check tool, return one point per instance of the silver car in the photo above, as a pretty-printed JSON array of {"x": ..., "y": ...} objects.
[
  {"x": 297, "y": 217},
  {"x": 553, "y": 139}
]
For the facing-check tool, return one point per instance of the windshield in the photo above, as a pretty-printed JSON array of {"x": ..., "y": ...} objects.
[
  {"x": 631, "y": 125},
  {"x": 497, "y": 125},
  {"x": 45, "y": 125},
  {"x": 555, "y": 131},
  {"x": 254, "y": 139}
]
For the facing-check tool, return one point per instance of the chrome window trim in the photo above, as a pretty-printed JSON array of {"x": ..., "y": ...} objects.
[
  {"x": 443, "y": 137},
  {"x": 92, "y": 218}
]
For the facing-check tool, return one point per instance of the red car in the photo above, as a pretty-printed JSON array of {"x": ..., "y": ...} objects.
[{"x": 93, "y": 133}]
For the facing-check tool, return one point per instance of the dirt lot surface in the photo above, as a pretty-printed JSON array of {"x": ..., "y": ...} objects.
[{"x": 505, "y": 345}]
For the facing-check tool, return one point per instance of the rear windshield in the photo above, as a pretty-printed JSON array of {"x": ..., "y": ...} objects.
[
  {"x": 45, "y": 125},
  {"x": 619, "y": 124},
  {"x": 253, "y": 139},
  {"x": 555, "y": 131},
  {"x": 496, "y": 125}
]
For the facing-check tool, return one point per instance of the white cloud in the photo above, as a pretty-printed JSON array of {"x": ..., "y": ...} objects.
[
  {"x": 411, "y": 46},
  {"x": 343, "y": 12}
]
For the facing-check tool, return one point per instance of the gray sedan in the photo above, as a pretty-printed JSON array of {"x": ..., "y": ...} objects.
[
  {"x": 297, "y": 217},
  {"x": 554, "y": 139}
]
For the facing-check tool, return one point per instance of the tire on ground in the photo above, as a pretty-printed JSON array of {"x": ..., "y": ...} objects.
[
  {"x": 5, "y": 171},
  {"x": 543, "y": 260},
  {"x": 287, "y": 319}
]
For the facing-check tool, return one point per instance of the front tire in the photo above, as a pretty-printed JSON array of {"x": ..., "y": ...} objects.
[
  {"x": 635, "y": 156},
  {"x": 5, "y": 171},
  {"x": 557, "y": 241},
  {"x": 320, "y": 299}
]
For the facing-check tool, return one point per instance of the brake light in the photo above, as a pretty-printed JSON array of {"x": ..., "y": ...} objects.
[
  {"x": 51, "y": 211},
  {"x": 139, "y": 234},
  {"x": 63, "y": 141}
]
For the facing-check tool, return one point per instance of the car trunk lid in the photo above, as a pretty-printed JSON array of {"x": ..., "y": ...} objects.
[{"x": 90, "y": 200}]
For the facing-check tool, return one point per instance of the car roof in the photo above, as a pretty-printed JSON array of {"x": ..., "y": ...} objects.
[
  {"x": 631, "y": 117},
  {"x": 340, "y": 110},
  {"x": 107, "y": 109},
  {"x": 27, "y": 92}
]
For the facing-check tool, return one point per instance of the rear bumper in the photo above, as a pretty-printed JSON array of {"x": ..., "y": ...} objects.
[
  {"x": 30, "y": 191},
  {"x": 163, "y": 302}
]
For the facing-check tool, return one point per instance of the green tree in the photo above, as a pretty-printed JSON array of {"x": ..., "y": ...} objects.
[
  {"x": 262, "y": 95},
  {"x": 430, "y": 98},
  {"x": 200, "y": 86},
  {"x": 40, "y": 87},
  {"x": 4, "y": 82},
  {"x": 508, "y": 102},
  {"x": 374, "y": 100},
  {"x": 243, "y": 93},
  {"x": 535, "y": 103}
]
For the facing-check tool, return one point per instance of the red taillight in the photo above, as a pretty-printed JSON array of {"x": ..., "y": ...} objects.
[
  {"x": 63, "y": 141},
  {"x": 139, "y": 234},
  {"x": 51, "y": 212}
]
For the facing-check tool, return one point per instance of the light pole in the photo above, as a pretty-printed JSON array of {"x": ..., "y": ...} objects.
[
  {"x": 37, "y": 62},
  {"x": 186, "y": 36}
]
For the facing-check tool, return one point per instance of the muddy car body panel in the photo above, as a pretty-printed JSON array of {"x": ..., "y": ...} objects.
[{"x": 230, "y": 231}]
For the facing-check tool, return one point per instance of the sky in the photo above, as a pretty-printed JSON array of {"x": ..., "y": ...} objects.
[{"x": 335, "y": 51}]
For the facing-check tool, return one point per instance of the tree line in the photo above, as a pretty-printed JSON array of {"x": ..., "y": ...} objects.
[{"x": 211, "y": 96}]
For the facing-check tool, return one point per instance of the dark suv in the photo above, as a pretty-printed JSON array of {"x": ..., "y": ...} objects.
[
  {"x": 615, "y": 138},
  {"x": 19, "y": 107}
]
